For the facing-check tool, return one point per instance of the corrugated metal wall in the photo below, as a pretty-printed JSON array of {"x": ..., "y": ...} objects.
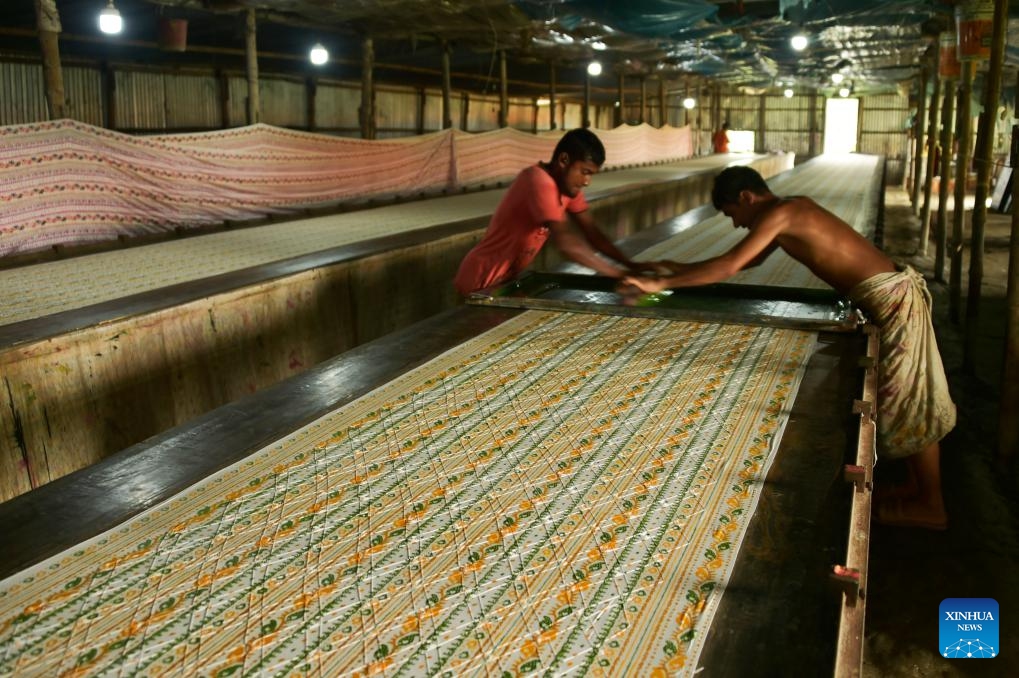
[{"x": 23, "y": 93}]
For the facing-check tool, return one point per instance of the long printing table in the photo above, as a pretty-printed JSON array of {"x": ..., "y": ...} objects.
[{"x": 493, "y": 489}]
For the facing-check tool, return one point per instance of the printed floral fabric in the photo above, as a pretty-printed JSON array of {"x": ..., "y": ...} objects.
[{"x": 564, "y": 494}]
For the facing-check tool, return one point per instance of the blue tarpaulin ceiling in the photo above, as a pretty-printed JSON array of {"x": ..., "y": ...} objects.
[{"x": 874, "y": 44}]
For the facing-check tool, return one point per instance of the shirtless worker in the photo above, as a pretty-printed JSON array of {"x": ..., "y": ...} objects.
[
  {"x": 542, "y": 201},
  {"x": 915, "y": 409}
]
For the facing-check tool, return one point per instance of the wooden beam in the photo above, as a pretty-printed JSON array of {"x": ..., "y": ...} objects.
[
  {"x": 311, "y": 94},
  {"x": 586, "y": 117},
  {"x": 620, "y": 116},
  {"x": 643, "y": 99}
]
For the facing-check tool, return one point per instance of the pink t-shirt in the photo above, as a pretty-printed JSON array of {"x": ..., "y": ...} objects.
[{"x": 516, "y": 231}]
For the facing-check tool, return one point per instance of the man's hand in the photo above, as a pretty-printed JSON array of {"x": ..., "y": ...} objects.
[{"x": 635, "y": 284}]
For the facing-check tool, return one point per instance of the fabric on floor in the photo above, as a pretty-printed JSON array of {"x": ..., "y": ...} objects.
[{"x": 564, "y": 493}]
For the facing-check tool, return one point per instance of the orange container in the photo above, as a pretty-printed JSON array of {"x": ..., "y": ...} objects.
[
  {"x": 948, "y": 61},
  {"x": 974, "y": 24}
]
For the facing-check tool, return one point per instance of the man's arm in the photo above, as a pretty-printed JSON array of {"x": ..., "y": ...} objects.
[
  {"x": 598, "y": 241},
  {"x": 578, "y": 248},
  {"x": 749, "y": 252}
]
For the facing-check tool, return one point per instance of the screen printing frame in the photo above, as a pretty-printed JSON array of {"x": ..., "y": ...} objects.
[
  {"x": 781, "y": 589},
  {"x": 818, "y": 310}
]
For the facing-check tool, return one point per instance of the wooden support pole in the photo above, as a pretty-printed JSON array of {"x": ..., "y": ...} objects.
[
  {"x": 964, "y": 134},
  {"x": 447, "y": 87},
  {"x": 643, "y": 100},
  {"x": 941, "y": 226},
  {"x": 921, "y": 108},
  {"x": 223, "y": 85},
  {"x": 586, "y": 117},
  {"x": 982, "y": 159},
  {"x": 551, "y": 96},
  {"x": 311, "y": 94},
  {"x": 465, "y": 110},
  {"x": 812, "y": 123},
  {"x": 47, "y": 20},
  {"x": 662, "y": 109},
  {"x": 761, "y": 116},
  {"x": 928, "y": 178},
  {"x": 503, "y": 91},
  {"x": 620, "y": 117},
  {"x": 251, "y": 56},
  {"x": 422, "y": 107},
  {"x": 367, "y": 110},
  {"x": 109, "y": 79},
  {"x": 1008, "y": 412}
]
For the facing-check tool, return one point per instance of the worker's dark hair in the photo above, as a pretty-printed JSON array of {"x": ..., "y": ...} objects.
[
  {"x": 581, "y": 144},
  {"x": 732, "y": 181}
]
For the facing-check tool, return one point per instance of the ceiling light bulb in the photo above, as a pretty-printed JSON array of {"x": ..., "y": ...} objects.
[
  {"x": 109, "y": 19},
  {"x": 799, "y": 42},
  {"x": 689, "y": 103},
  {"x": 788, "y": 94},
  {"x": 844, "y": 92},
  {"x": 837, "y": 78},
  {"x": 594, "y": 68},
  {"x": 318, "y": 54},
  {"x": 599, "y": 45},
  {"x": 543, "y": 101}
]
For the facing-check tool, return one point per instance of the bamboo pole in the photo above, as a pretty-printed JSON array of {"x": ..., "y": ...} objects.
[
  {"x": 367, "y": 110},
  {"x": 586, "y": 118},
  {"x": 551, "y": 96},
  {"x": 47, "y": 20},
  {"x": 661, "y": 101},
  {"x": 921, "y": 108},
  {"x": 964, "y": 134},
  {"x": 621, "y": 100},
  {"x": 928, "y": 179},
  {"x": 643, "y": 100},
  {"x": 251, "y": 59},
  {"x": 941, "y": 226},
  {"x": 447, "y": 88},
  {"x": 982, "y": 160},
  {"x": 1008, "y": 411},
  {"x": 503, "y": 91}
]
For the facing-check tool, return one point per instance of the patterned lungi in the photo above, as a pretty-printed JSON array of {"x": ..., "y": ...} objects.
[{"x": 915, "y": 407}]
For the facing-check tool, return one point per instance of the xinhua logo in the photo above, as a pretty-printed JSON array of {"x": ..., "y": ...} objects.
[{"x": 968, "y": 628}]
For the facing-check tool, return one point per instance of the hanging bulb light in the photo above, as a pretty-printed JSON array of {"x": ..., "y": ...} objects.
[
  {"x": 594, "y": 68},
  {"x": 689, "y": 103},
  {"x": 844, "y": 92},
  {"x": 799, "y": 42},
  {"x": 837, "y": 78},
  {"x": 109, "y": 19},
  {"x": 318, "y": 54},
  {"x": 788, "y": 94}
]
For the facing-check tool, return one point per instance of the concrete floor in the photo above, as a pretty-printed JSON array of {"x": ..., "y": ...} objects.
[{"x": 912, "y": 571}]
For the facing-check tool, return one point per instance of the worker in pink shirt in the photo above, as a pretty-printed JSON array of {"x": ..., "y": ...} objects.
[{"x": 545, "y": 199}]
